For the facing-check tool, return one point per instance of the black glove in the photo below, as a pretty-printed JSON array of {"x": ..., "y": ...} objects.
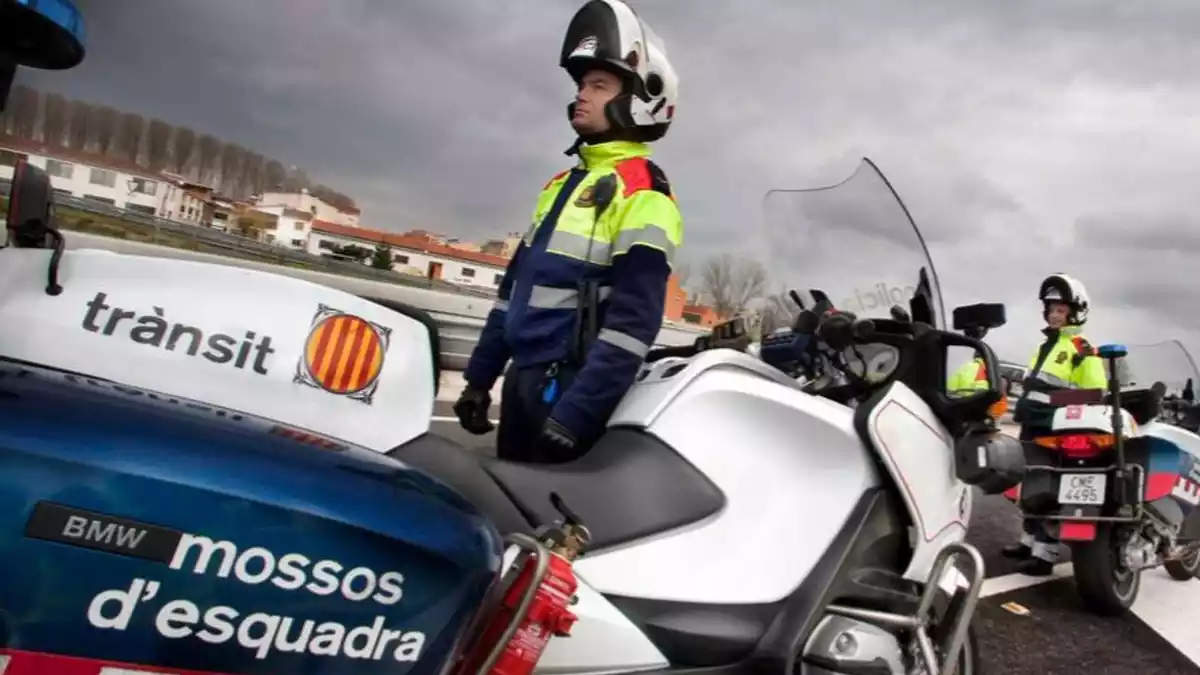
[
  {"x": 472, "y": 410},
  {"x": 556, "y": 443}
]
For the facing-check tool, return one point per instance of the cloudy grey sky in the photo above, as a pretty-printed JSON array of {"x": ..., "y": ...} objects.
[{"x": 1027, "y": 136}]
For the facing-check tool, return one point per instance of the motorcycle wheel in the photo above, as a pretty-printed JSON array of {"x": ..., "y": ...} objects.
[
  {"x": 1185, "y": 568},
  {"x": 1105, "y": 587}
]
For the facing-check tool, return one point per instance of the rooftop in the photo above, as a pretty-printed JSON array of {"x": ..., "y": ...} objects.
[
  {"x": 89, "y": 158},
  {"x": 422, "y": 244}
]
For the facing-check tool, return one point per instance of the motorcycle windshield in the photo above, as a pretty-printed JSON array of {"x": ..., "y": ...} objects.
[
  {"x": 856, "y": 242},
  {"x": 1166, "y": 362}
]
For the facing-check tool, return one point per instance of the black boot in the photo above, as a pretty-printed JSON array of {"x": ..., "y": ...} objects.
[
  {"x": 1035, "y": 567},
  {"x": 1017, "y": 552}
]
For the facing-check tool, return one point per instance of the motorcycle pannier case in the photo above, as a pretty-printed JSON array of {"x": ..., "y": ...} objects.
[{"x": 991, "y": 461}]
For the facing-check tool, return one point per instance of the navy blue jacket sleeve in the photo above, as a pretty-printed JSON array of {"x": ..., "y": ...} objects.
[
  {"x": 492, "y": 352},
  {"x": 631, "y": 324}
]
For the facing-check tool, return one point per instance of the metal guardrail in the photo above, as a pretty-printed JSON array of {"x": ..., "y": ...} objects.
[
  {"x": 231, "y": 243},
  {"x": 459, "y": 317}
]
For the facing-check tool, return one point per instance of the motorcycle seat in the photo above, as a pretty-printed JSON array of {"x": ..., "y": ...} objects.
[
  {"x": 630, "y": 485},
  {"x": 462, "y": 469},
  {"x": 1142, "y": 404}
]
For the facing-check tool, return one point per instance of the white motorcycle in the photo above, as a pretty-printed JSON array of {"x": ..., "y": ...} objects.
[
  {"x": 1120, "y": 481},
  {"x": 744, "y": 522},
  {"x": 741, "y": 520}
]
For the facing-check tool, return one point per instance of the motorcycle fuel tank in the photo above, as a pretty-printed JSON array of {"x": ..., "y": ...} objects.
[{"x": 144, "y": 529}]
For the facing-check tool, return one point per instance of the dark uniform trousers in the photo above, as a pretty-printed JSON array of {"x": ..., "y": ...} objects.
[{"x": 523, "y": 412}]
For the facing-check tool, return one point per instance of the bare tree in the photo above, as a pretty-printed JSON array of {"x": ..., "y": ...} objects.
[
  {"x": 252, "y": 175},
  {"x": 106, "y": 128},
  {"x": 683, "y": 271},
  {"x": 182, "y": 148},
  {"x": 779, "y": 311},
  {"x": 729, "y": 283},
  {"x": 93, "y": 123},
  {"x": 128, "y": 141},
  {"x": 209, "y": 151},
  {"x": 158, "y": 143},
  {"x": 273, "y": 177},
  {"x": 295, "y": 180},
  {"x": 332, "y": 197},
  {"x": 232, "y": 156},
  {"x": 54, "y": 124},
  {"x": 77, "y": 137},
  {"x": 25, "y": 105}
]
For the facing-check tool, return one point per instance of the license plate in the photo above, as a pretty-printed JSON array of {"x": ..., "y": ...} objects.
[{"x": 1082, "y": 488}]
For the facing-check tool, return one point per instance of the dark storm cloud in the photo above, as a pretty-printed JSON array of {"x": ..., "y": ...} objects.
[{"x": 1015, "y": 131}]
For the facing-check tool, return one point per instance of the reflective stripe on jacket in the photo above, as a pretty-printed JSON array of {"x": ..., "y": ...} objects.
[
  {"x": 1065, "y": 360},
  {"x": 628, "y": 252}
]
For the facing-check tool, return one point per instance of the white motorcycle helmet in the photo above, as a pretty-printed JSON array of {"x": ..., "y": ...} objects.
[
  {"x": 1065, "y": 289},
  {"x": 609, "y": 35}
]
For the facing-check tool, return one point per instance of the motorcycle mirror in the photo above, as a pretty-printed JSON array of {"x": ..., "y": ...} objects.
[
  {"x": 979, "y": 317},
  {"x": 30, "y": 206},
  {"x": 900, "y": 314},
  {"x": 796, "y": 298}
]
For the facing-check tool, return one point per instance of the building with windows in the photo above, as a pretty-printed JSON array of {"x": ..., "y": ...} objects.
[
  {"x": 416, "y": 253},
  {"x": 125, "y": 186},
  {"x": 308, "y": 203},
  {"x": 292, "y": 226}
]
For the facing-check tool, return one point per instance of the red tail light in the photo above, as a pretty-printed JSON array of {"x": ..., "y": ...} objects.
[{"x": 1077, "y": 446}]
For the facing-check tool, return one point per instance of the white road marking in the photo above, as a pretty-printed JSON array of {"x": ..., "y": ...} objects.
[
  {"x": 1170, "y": 608},
  {"x": 453, "y": 420},
  {"x": 1015, "y": 582}
]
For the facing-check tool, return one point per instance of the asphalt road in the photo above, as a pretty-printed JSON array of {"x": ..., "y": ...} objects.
[{"x": 1049, "y": 633}]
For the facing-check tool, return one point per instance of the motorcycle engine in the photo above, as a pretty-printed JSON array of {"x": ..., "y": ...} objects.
[{"x": 1139, "y": 552}]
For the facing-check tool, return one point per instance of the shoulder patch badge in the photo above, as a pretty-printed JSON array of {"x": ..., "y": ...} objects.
[{"x": 587, "y": 198}]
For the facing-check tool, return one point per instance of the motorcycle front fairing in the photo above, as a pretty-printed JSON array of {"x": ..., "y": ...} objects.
[
  {"x": 856, "y": 244},
  {"x": 207, "y": 443},
  {"x": 286, "y": 349}
]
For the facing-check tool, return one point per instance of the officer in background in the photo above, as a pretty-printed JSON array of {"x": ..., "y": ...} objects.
[
  {"x": 972, "y": 376},
  {"x": 582, "y": 299},
  {"x": 1064, "y": 360}
]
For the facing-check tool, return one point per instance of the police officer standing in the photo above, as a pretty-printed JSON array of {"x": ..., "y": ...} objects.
[
  {"x": 582, "y": 299},
  {"x": 1064, "y": 360}
]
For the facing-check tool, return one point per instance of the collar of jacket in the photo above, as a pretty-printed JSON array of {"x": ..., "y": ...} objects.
[
  {"x": 606, "y": 155},
  {"x": 1068, "y": 331}
]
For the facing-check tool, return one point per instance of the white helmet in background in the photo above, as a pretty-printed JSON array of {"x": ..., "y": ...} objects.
[
  {"x": 609, "y": 35},
  {"x": 1068, "y": 290}
]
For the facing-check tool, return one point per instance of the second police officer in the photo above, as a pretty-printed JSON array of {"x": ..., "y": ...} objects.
[{"x": 1064, "y": 360}]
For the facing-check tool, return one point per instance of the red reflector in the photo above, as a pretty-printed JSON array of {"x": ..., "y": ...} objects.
[
  {"x": 1078, "y": 445},
  {"x": 16, "y": 662},
  {"x": 1076, "y": 531}
]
